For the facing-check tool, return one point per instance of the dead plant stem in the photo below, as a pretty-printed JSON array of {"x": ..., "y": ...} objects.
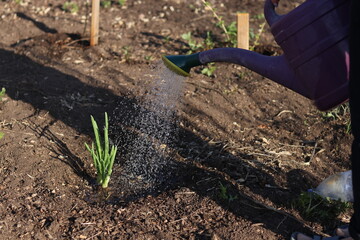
[
  {"x": 313, "y": 152},
  {"x": 281, "y": 222}
]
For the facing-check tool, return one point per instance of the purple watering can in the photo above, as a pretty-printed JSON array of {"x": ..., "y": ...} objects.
[{"x": 315, "y": 63}]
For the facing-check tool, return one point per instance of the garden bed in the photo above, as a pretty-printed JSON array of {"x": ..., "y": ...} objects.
[{"x": 246, "y": 147}]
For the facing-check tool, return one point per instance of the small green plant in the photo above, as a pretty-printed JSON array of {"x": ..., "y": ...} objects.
[
  {"x": 342, "y": 113},
  {"x": 337, "y": 113},
  {"x": 220, "y": 22},
  {"x": 259, "y": 16},
  {"x": 256, "y": 36},
  {"x": 223, "y": 194},
  {"x": 313, "y": 207},
  {"x": 193, "y": 44},
  {"x": 1, "y": 95},
  {"x": 232, "y": 33},
  {"x": 122, "y": 2},
  {"x": 102, "y": 154},
  {"x": 126, "y": 53},
  {"x": 209, "y": 70},
  {"x": 148, "y": 58},
  {"x": 106, "y": 4},
  {"x": 209, "y": 42},
  {"x": 70, "y": 7},
  {"x": 230, "y": 30}
]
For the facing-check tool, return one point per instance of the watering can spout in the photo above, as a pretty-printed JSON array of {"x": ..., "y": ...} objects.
[
  {"x": 275, "y": 68},
  {"x": 181, "y": 64}
]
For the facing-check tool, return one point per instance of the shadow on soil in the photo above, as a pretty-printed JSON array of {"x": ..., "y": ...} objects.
[
  {"x": 38, "y": 24},
  {"x": 71, "y": 101}
]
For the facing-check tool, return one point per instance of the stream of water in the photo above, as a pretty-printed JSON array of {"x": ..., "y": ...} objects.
[{"x": 147, "y": 163}]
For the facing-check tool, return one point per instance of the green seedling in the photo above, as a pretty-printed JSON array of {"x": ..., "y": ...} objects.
[
  {"x": 106, "y": 4},
  {"x": 193, "y": 44},
  {"x": 223, "y": 194},
  {"x": 220, "y": 22},
  {"x": 259, "y": 16},
  {"x": 255, "y": 36},
  {"x": 316, "y": 208},
  {"x": 2, "y": 93},
  {"x": 230, "y": 30},
  {"x": 126, "y": 53},
  {"x": 337, "y": 113},
  {"x": 209, "y": 70},
  {"x": 70, "y": 7},
  {"x": 148, "y": 58},
  {"x": 102, "y": 154},
  {"x": 341, "y": 113},
  {"x": 122, "y": 2},
  {"x": 209, "y": 42}
]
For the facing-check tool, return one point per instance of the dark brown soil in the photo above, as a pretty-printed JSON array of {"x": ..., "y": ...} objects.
[{"x": 265, "y": 144}]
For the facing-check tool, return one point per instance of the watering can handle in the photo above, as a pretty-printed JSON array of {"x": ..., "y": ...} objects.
[{"x": 270, "y": 14}]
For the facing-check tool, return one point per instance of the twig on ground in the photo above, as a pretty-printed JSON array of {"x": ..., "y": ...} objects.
[
  {"x": 282, "y": 112},
  {"x": 95, "y": 235},
  {"x": 281, "y": 222},
  {"x": 313, "y": 153},
  {"x": 199, "y": 18}
]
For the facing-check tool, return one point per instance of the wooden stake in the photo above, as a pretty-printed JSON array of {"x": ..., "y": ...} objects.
[
  {"x": 243, "y": 30},
  {"x": 94, "y": 31}
]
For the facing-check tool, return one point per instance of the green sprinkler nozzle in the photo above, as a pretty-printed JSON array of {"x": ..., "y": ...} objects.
[{"x": 181, "y": 64}]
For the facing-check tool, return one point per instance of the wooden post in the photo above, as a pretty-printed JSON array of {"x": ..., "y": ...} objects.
[
  {"x": 94, "y": 31},
  {"x": 243, "y": 30}
]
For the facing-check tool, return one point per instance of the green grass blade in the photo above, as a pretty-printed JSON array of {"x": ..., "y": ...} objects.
[
  {"x": 112, "y": 156},
  {"x": 106, "y": 136},
  {"x": 97, "y": 136}
]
